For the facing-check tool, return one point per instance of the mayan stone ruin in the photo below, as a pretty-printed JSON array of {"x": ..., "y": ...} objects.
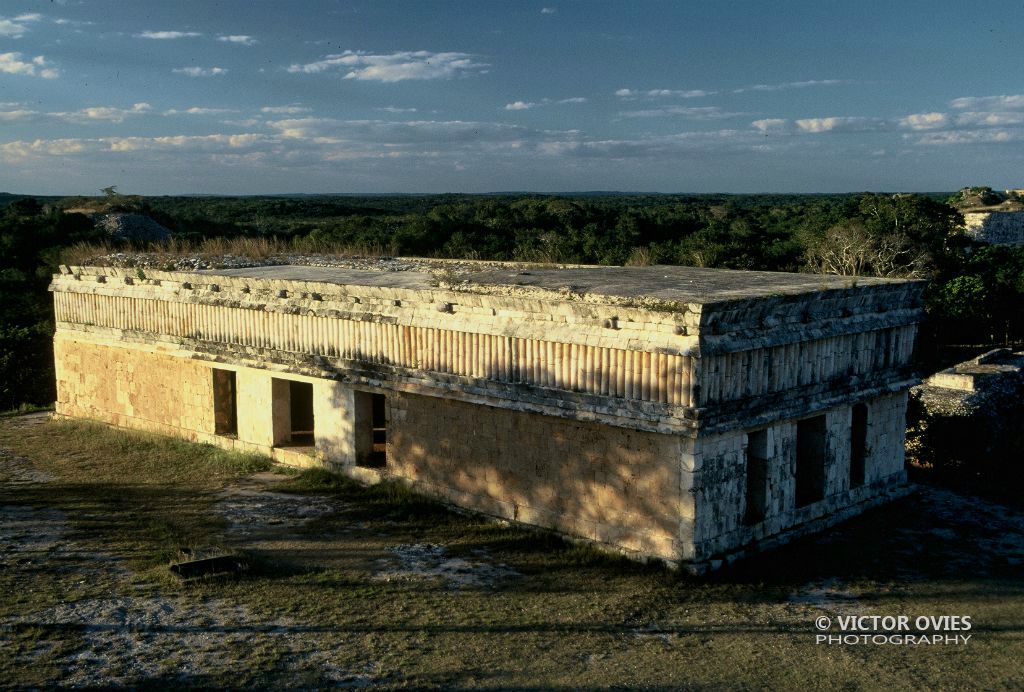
[
  {"x": 690, "y": 415},
  {"x": 995, "y": 227}
]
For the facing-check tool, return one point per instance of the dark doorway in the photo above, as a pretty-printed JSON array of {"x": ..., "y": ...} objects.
[
  {"x": 810, "y": 460},
  {"x": 378, "y": 454},
  {"x": 301, "y": 409},
  {"x": 371, "y": 430},
  {"x": 225, "y": 403}
]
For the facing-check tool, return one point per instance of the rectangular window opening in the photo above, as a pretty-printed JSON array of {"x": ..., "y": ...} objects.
[
  {"x": 810, "y": 460},
  {"x": 225, "y": 403},
  {"x": 757, "y": 476},
  {"x": 858, "y": 444}
]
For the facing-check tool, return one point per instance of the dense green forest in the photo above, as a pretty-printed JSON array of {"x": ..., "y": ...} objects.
[{"x": 975, "y": 294}]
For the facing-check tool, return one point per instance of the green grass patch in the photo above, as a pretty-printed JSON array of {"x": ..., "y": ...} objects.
[{"x": 150, "y": 495}]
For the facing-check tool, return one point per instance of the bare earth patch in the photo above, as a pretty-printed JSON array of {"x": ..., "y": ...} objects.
[
  {"x": 429, "y": 561},
  {"x": 252, "y": 508}
]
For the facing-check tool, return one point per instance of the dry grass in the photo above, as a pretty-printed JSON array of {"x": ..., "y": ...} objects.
[
  {"x": 315, "y": 612},
  {"x": 641, "y": 257},
  {"x": 255, "y": 248}
]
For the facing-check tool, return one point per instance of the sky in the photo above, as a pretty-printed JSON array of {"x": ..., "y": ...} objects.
[{"x": 260, "y": 97}]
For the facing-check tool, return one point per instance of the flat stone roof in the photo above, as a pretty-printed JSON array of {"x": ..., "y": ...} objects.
[{"x": 668, "y": 283}]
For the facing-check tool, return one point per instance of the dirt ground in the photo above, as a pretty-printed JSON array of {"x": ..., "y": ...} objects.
[{"x": 338, "y": 597}]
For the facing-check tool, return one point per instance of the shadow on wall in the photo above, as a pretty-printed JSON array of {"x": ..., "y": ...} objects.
[{"x": 600, "y": 482}]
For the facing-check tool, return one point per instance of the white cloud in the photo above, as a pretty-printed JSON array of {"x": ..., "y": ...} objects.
[
  {"x": 200, "y": 71},
  {"x": 990, "y": 119},
  {"x": 110, "y": 114},
  {"x": 970, "y": 137},
  {"x": 771, "y": 125},
  {"x": 693, "y": 113},
  {"x": 548, "y": 10},
  {"x": 103, "y": 113},
  {"x": 316, "y": 144},
  {"x": 654, "y": 147},
  {"x": 246, "y": 122},
  {"x": 199, "y": 110},
  {"x": 18, "y": 114},
  {"x": 12, "y": 63},
  {"x": 1009, "y": 102},
  {"x": 394, "y": 67},
  {"x": 526, "y": 105},
  {"x": 678, "y": 93},
  {"x": 663, "y": 93},
  {"x": 240, "y": 39},
  {"x": 190, "y": 142},
  {"x": 284, "y": 110},
  {"x": 925, "y": 121},
  {"x": 395, "y": 109},
  {"x": 72, "y": 22},
  {"x": 15, "y": 27},
  {"x": 18, "y": 150},
  {"x": 13, "y": 151},
  {"x": 168, "y": 35},
  {"x": 840, "y": 124},
  {"x": 391, "y": 134},
  {"x": 790, "y": 85}
]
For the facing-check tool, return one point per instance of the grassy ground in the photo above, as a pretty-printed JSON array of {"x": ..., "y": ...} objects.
[{"x": 356, "y": 587}]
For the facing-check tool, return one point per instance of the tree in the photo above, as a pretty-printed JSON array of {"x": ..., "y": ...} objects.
[{"x": 891, "y": 235}]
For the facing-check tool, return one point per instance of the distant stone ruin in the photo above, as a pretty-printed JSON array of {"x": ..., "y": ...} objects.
[
  {"x": 135, "y": 228},
  {"x": 992, "y": 217},
  {"x": 971, "y": 409},
  {"x": 995, "y": 227},
  {"x": 690, "y": 415}
]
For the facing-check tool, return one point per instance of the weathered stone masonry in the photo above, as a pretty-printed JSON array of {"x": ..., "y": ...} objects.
[{"x": 673, "y": 412}]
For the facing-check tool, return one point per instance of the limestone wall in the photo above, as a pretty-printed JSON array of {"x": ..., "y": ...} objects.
[
  {"x": 580, "y": 367},
  {"x": 720, "y": 477},
  {"x": 165, "y": 390},
  {"x": 744, "y": 374},
  {"x": 997, "y": 228},
  {"x": 616, "y": 486},
  {"x": 657, "y": 370},
  {"x": 624, "y": 487},
  {"x": 130, "y": 387}
]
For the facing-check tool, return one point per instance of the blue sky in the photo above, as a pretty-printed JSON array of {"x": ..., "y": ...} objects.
[{"x": 249, "y": 97}]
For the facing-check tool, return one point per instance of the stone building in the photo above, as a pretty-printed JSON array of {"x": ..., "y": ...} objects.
[
  {"x": 972, "y": 415},
  {"x": 686, "y": 414},
  {"x": 995, "y": 227}
]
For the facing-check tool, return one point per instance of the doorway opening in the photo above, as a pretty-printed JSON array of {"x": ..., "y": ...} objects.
[
  {"x": 371, "y": 430},
  {"x": 810, "y": 460},
  {"x": 225, "y": 403},
  {"x": 294, "y": 424}
]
